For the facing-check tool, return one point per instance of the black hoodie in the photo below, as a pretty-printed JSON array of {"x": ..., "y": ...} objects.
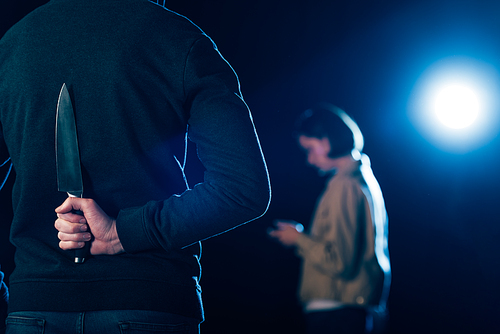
[{"x": 140, "y": 76}]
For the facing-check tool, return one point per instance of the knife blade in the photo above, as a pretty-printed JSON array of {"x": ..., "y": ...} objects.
[{"x": 69, "y": 171}]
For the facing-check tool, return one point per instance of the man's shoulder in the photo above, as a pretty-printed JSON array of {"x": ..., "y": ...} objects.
[{"x": 173, "y": 17}]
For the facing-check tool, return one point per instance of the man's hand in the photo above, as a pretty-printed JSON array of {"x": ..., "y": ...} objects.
[
  {"x": 286, "y": 232},
  {"x": 75, "y": 230}
]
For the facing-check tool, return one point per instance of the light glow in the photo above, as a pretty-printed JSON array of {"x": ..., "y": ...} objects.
[{"x": 454, "y": 104}]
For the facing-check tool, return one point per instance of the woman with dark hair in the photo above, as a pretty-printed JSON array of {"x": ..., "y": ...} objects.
[{"x": 346, "y": 270}]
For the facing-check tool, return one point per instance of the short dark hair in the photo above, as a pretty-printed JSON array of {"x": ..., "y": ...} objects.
[{"x": 329, "y": 121}]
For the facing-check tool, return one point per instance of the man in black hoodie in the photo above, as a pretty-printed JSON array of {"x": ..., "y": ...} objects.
[{"x": 142, "y": 79}]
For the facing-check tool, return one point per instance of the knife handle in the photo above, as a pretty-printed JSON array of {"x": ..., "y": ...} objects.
[{"x": 81, "y": 253}]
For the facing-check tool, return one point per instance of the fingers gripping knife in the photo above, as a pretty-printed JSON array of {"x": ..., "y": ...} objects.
[{"x": 69, "y": 171}]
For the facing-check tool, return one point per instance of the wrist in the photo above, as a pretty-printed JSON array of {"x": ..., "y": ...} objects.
[{"x": 115, "y": 243}]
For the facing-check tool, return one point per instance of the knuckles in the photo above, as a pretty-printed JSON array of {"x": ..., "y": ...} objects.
[{"x": 65, "y": 226}]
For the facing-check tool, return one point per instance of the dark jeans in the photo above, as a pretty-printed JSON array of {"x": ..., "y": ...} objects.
[
  {"x": 345, "y": 320},
  {"x": 100, "y": 322}
]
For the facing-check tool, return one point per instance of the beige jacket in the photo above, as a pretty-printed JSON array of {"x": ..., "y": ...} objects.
[{"x": 345, "y": 255}]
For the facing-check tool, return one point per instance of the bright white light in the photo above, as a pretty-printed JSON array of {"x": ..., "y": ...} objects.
[{"x": 456, "y": 106}]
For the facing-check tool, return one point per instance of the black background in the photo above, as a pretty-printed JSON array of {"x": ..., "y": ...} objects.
[{"x": 365, "y": 56}]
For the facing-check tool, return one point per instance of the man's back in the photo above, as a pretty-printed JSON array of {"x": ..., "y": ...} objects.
[{"x": 139, "y": 76}]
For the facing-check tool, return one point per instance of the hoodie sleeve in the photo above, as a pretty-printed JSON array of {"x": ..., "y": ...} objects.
[
  {"x": 4, "y": 299},
  {"x": 236, "y": 186}
]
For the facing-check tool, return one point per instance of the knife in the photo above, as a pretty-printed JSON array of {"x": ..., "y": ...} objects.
[{"x": 69, "y": 170}]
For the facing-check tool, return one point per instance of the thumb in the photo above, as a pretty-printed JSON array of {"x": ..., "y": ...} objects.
[
  {"x": 284, "y": 224},
  {"x": 70, "y": 204}
]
